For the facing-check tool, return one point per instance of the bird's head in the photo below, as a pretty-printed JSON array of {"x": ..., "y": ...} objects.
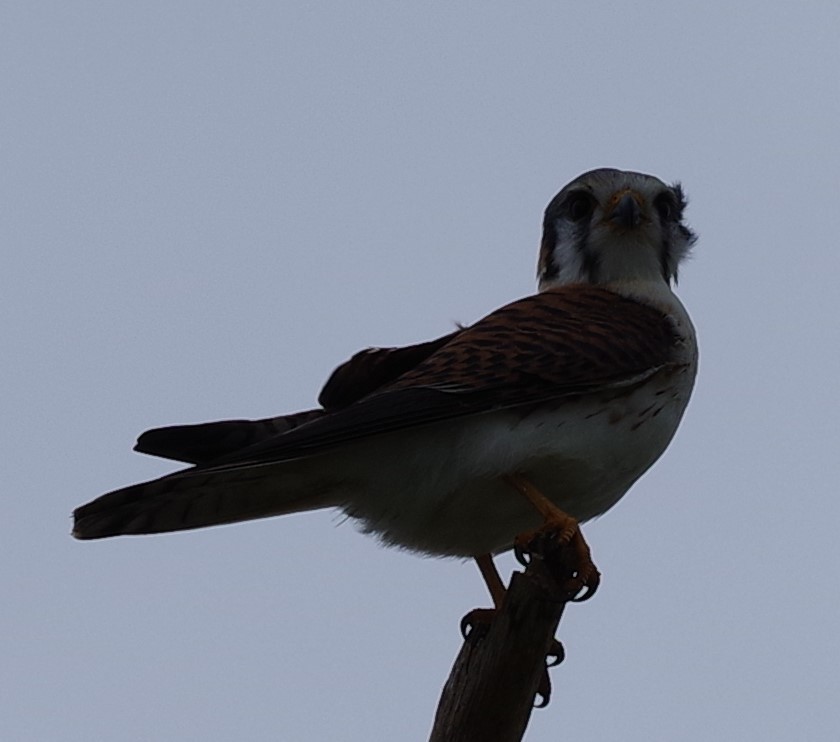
[{"x": 611, "y": 226}]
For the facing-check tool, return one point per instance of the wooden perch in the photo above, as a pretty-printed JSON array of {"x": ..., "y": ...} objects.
[{"x": 497, "y": 675}]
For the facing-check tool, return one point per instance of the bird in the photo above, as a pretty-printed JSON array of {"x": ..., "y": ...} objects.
[{"x": 536, "y": 418}]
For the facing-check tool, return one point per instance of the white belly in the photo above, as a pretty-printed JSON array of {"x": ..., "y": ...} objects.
[{"x": 438, "y": 489}]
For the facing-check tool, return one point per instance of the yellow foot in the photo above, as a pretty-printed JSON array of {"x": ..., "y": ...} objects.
[{"x": 559, "y": 531}]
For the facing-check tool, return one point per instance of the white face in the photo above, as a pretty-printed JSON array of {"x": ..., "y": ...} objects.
[{"x": 611, "y": 226}]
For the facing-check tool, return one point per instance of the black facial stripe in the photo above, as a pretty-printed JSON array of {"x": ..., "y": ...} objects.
[
  {"x": 549, "y": 268},
  {"x": 578, "y": 234},
  {"x": 591, "y": 262}
]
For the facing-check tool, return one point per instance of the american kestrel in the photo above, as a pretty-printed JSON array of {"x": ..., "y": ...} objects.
[{"x": 544, "y": 412}]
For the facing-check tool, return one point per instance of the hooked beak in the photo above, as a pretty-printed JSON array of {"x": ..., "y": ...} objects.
[{"x": 627, "y": 211}]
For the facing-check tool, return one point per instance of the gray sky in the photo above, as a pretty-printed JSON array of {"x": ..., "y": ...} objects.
[{"x": 207, "y": 206}]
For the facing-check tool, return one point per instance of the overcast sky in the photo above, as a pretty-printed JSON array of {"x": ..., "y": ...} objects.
[{"x": 207, "y": 206}]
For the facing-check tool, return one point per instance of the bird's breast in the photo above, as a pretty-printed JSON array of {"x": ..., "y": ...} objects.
[{"x": 438, "y": 489}]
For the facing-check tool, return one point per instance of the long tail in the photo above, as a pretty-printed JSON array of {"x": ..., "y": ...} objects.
[{"x": 197, "y": 498}]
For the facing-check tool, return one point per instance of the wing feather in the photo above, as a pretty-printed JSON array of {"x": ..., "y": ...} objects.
[
  {"x": 373, "y": 368},
  {"x": 575, "y": 340},
  {"x": 202, "y": 443},
  {"x": 569, "y": 341}
]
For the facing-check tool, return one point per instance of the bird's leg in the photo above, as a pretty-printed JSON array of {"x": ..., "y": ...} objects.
[
  {"x": 497, "y": 589},
  {"x": 477, "y": 622},
  {"x": 478, "y": 619},
  {"x": 560, "y": 528},
  {"x": 492, "y": 578}
]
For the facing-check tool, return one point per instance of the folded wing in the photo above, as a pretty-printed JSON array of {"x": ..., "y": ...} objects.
[{"x": 571, "y": 341}]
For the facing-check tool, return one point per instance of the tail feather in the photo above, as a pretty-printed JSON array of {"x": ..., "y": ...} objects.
[
  {"x": 205, "y": 442},
  {"x": 196, "y": 498}
]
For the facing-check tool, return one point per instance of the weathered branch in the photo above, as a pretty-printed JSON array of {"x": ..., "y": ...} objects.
[{"x": 497, "y": 675}]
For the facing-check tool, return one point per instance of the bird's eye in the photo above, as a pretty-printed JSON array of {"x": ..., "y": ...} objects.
[
  {"x": 580, "y": 206},
  {"x": 665, "y": 206}
]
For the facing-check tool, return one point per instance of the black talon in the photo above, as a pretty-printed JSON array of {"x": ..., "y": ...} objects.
[
  {"x": 588, "y": 592},
  {"x": 555, "y": 655},
  {"x": 476, "y": 623},
  {"x": 467, "y": 626},
  {"x": 543, "y": 692},
  {"x": 583, "y": 597},
  {"x": 521, "y": 555}
]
